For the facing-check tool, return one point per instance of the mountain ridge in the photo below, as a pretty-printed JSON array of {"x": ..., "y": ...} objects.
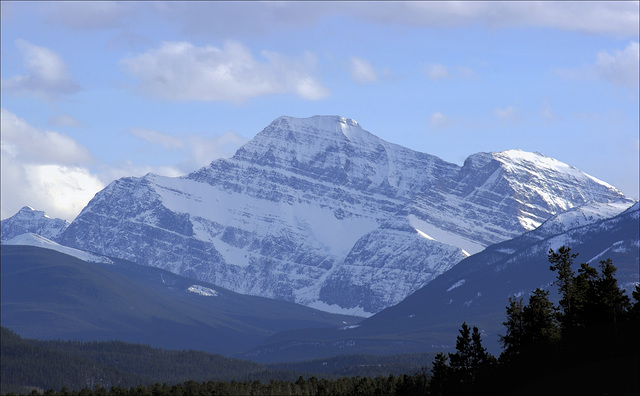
[{"x": 321, "y": 212}]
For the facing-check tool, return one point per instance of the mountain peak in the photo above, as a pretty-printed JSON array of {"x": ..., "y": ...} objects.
[
  {"x": 535, "y": 162},
  {"x": 321, "y": 212},
  {"x": 28, "y": 219},
  {"x": 31, "y": 212},
  {"x": 321, "y": 126},
  {"x": 320, "y": 146}
]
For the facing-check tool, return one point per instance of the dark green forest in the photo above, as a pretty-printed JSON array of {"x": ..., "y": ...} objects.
[{"x": 587, "y": 343}]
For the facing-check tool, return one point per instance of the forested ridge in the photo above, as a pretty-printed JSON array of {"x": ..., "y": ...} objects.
[
  {"x": 73, "y": 365},
  {"x": 587, "y": 343}
]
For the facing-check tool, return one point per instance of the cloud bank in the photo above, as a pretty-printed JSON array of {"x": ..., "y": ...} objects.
[
  {"x": 183, "y": 72},
  {"x": 47, "y": 74},
  {"x": 43, "y": 169}
]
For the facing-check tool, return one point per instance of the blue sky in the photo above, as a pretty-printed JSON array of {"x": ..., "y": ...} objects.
[{"x": 94, "y": 91}]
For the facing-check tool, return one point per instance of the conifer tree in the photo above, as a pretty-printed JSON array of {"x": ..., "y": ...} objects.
[
  {"x": 481, "y": 360},
  {"x": 512, "y": 340},
  {"x": 584, "y": 302},
  {"x": 461, "y": 360},
  {"x": 634, "y": 312},
  {"x": 461, "y": 375},
  {"x": 562, "y": 262},
  {"x": 539, "y": 320},
  {"x": 611, "y": 301},
  {"x": 440, "y": 374}
]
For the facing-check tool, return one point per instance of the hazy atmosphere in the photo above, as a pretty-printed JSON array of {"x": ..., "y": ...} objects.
[{"x": 94, "y": 91}]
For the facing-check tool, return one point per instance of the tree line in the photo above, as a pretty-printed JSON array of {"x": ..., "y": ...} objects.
[{"x": 587, "y": 343}]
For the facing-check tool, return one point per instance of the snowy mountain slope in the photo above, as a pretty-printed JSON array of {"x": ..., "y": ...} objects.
[
  {"x": 28, "y": 220},
  {"x": 321, "y": 212},
  {"x": 30, "y": 239},
  {"x": 516, "y": 190},
  {"x": 478, "y": 288},
  {"x": 476, "y": 291}
]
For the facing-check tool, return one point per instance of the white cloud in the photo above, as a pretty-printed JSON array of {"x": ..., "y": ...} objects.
[
  {"x": 438, "y": 120},
  {"x": 89, "y": 15},
  {"x": 64, "y": 120},
  {"x": 437, "y": 72},
  {"x": 182, "y": 71},
  {"x": 466, "y": 72},
  {"x": 620, "y": 67},
  {"x": 617, "y": 67},
  {"x": 66, "y": 189},
  {"x": 205, "y": 149},
  {"x": 152, "y": 136},
  {"x": 362, "y": 72},
  {"x": 26, "y": 143},
  {"x": 232, "y": 19},
  {"x": 196, "y": 150},
  {"x": 47, "y": 74},
  {"x": 46, "y": 170},
  {"x": 110, "y": 172},
  {"x": 506, "y": 113},
  {"x": 242, "y": 19},
  {"x": 546, "y": 112},
  {"x": 605, "y": 17},
  {"x": 223, "y": 19}
]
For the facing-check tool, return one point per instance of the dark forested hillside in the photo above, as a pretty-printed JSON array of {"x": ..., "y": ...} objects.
[
  {"x": 31, "y": 364},
  {"x": 73, "y": 364},
  {"x": 47, "y": 295}
]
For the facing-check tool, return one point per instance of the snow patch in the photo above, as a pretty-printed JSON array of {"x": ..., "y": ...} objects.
[
  {"x": 31, "y": 239},
  {"x": 335, "y": 308},
  {"x": 349, "y": 327},
  {"x": 203, "y": 291},
  {"x": 457, "y": 284},
  {"x": 432, "y": 232}
]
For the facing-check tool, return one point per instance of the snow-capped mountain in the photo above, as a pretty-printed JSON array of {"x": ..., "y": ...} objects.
[
  {"x": 29, "y": 220},
  {"x": 323, "y": 213}
]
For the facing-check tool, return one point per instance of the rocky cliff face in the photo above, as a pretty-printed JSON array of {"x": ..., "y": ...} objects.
[
  {"x": 321, "y": 212},
  {"x": 29, "y": 220}
]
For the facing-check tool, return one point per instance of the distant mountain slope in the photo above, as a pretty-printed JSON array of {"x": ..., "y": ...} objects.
[
  {"x": 31, "y": 239},
  {"x": 477, "y": 290},
  {"x": 49, "y": 295},
  {"x": 29, "y": 220},
  {"x": 323, "y": 213}
]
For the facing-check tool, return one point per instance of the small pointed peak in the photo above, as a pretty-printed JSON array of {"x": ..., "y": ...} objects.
[{"x": 31, "y": 212}]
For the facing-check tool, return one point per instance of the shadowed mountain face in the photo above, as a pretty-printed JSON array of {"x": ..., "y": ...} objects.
[
  {"x": 320, "y": 212},
  {"x": 49, "y": 295}
]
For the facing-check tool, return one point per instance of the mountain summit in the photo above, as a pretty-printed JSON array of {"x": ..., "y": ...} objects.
[
  {"x": 28, "y": 220},
  {"x": 321, "y": 212}
]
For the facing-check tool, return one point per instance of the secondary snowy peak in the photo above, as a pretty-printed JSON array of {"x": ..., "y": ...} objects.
[
  {"x": 522, "y": 188},
  {"x": 583, "y": 215},
  {"x": 30, "y": 239},
  {"x": 321, "y": 212},
  {"x": 526, "y": 163},
  {"x": 28, "y": 220}
]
